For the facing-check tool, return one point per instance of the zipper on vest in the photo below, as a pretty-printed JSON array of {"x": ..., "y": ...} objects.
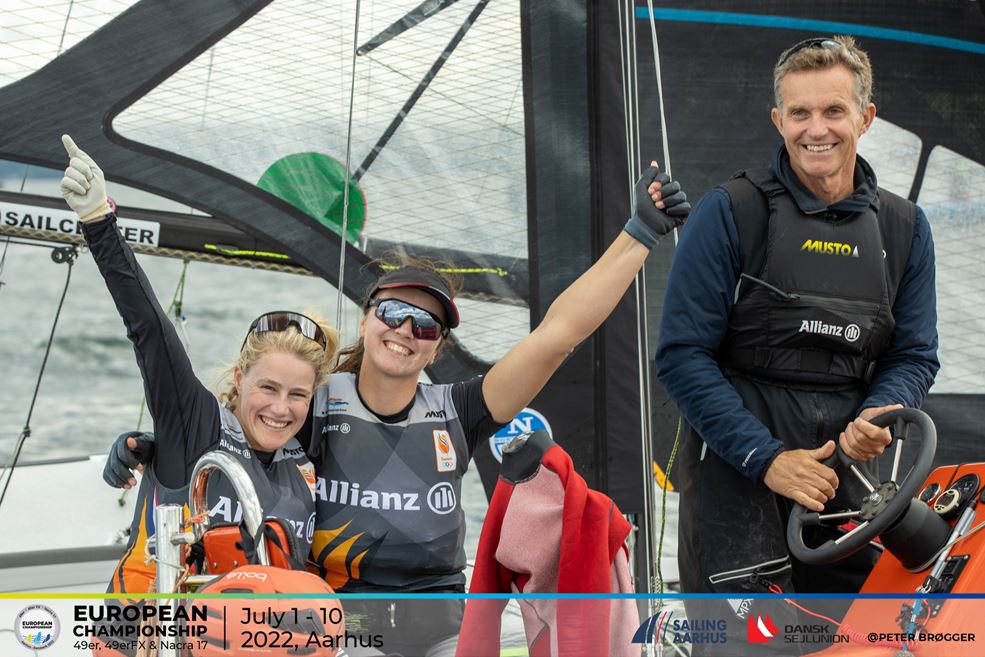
[{"x": 785, "y": 296}]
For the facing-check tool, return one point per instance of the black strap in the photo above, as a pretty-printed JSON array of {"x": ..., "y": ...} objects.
[
  {"x": 248, "y": 543},
  {"x": 748, "y": 192},
  {"x": 800, "y": 360},
  {"x": 897, "y": 222},
  {"x": 196, "y": 557}
]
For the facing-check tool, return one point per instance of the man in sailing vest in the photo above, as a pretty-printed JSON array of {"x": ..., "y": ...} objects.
[{"x": 800, "y": 305}]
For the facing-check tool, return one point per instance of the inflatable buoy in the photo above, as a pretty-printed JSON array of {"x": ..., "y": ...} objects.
[{"x": 285, "y": 627}]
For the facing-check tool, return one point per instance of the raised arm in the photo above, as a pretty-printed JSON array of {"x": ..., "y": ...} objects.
[
  {"x": 184, "y": 411},
  {"x": 517, "y": 378}
]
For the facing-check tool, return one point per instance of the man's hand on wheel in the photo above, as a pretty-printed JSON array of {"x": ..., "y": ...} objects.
[
  {"x": 799, "y": 475},
  {"x": 862, "y": 440}
]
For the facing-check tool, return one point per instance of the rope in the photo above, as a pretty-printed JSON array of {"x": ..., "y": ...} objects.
[
  {"x": 3, "y": 260},
  {"x": 177, "y": 305},
  {"x": 345, "y": 189},
  {"x": 67, "y": 255},
  {"x": 68, "y": 16},
  {"x": 218, "y": 258},
  {"x": 663, "y": 509},
  {"x": 665, "y": 139},
  {"x": 660, "y": 96},
  {"x": 627, "y": 52}
]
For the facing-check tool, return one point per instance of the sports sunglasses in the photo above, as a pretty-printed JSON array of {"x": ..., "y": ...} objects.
[
  {"x": 281, "y": 320},
  {"x": 394, "y": 312},
  {"x": 825, "y": 43}
]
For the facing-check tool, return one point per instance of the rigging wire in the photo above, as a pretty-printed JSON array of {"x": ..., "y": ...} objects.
[
  {"x": 61, "y": 44},
  {"x": 66, "y": 254},
  {"x": 631, "y": 108},
  {"x": 177, "y": 305},
  {"x": 3, "y": 259},
  {"x": 630, "y": 78},
  {"x": 68, "y": 16},
  {"x": 665, "y": 137},
  {"x": 343, "y": 241},
  {"x": 663, "y": 504},
  {"x": 642, "y": 328},
  {"x": 660, "y": 96}
]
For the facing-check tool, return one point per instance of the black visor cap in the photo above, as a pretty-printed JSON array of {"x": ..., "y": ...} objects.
[{"x": 428, "y": 281}]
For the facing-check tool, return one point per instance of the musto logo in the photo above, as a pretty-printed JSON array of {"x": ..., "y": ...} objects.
[
  {"x": 760, "y": 629},
  {"x": 663, "y": 627},
  {"x": 829, "y": 248}
]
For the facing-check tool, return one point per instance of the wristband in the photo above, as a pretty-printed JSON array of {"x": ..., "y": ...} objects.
[{"x": 641, "y": 232}]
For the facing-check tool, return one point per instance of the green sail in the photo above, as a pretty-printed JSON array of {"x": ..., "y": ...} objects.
[{"x": 315, "y": 184}]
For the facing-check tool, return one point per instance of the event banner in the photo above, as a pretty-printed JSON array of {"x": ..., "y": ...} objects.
[{"x": 565, "y": 625}]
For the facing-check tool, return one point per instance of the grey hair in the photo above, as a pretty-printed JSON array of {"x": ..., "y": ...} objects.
[{"x": 848, "y": 55}]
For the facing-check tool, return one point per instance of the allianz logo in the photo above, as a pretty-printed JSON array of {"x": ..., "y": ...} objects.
[
  {"x": 344, "y": 427},
  {"x": 230, "y": 511},
  {"x": 851, "y": 332},
  {"x": 225, "y": 444},
  {"x": 441, "y": 498}
]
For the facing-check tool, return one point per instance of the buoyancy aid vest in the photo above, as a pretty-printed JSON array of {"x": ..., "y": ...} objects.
[
  {"x": 389, "y": 495},
  {"x": 285, "y": 489},
  {"x": 815, "y": 296}
]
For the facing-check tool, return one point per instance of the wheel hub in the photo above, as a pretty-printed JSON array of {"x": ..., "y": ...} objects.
[{"x": 877, "y": 500}]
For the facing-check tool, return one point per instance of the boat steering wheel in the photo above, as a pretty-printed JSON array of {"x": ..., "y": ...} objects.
[{"x": 885, "y": 502}]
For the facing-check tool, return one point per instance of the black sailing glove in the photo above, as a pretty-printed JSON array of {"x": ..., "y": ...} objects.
[
  {"x": 123, "y": 458},
  {"x": 648, "y": 222}
]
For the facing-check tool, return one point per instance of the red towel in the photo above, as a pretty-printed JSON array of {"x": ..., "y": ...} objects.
[{"x": 547, "y": 532}]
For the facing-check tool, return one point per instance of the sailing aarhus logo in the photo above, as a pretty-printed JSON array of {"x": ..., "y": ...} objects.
[
  {"x": 760, "y": 628},
  {"x": 653, "y": 628},
  {"x": 662, "y": 627}
]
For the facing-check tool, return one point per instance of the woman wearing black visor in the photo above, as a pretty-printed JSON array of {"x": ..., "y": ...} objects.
[{"x": 391, "y": 452}]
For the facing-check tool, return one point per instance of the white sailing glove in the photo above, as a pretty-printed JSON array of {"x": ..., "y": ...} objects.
[{"x": 84, "y": 186}]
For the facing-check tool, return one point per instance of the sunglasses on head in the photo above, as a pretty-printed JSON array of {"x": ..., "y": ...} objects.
[
  {"x": 394, "y": 312},
  {"x": 827, "y": 43},
  {"x": 281, "y": 320}
]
